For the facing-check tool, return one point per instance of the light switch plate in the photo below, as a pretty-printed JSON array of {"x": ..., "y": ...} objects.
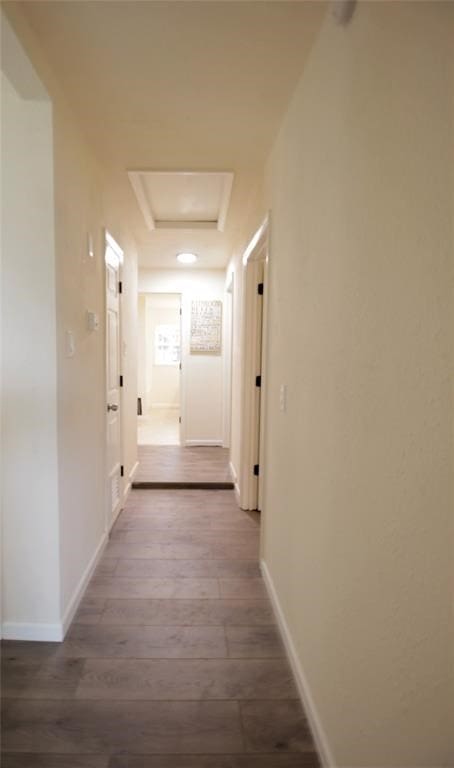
[
  {"x": 90, "y": 247},
  {"x": 92, "y": 321},
  {"x": 70, "y": 344},
  {"x": 283, "y": 398}
]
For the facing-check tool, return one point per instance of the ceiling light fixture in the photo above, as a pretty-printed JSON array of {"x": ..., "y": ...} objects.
[{"x": 186, "y": 258}]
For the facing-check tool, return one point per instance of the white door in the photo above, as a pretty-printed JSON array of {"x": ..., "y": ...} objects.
[
  {"x": 114, "y": 258},
  {"x": 252, "y": 411},
  {"x": 181, "y": 380}
]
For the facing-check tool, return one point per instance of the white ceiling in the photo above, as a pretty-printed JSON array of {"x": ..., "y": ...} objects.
[
  {"x": 171, "y": 86},
  {"x": 183, "y": 199},
  {"x": 211, "y": 247}
]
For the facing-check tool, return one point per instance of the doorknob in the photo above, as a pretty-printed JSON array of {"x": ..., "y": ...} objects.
[{"x": 112, "y": 407}]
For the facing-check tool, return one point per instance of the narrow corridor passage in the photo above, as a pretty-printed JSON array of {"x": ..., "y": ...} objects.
[
  {"x": 173, "y": 660},
  {"x": 175, "y": 464}
]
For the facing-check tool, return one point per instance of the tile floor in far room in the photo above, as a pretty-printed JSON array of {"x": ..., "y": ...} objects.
[{"x": 159, "y": 426}]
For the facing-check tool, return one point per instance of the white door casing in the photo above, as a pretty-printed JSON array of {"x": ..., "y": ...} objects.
[
  {"x": 113, "y": 261},
  {"x": 181, "y": 381},
  {"x": 252, "y": 396}
]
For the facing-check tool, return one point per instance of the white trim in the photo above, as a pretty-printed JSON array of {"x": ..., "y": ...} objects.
[
  {"x": 55, "y": 633},
  {"x": 252, "y": 344},
  {"x": 225, "y": 201},
  {"x": 227, "y": 360},
  {"x": 50, "y": 633},
  {"x": 137, "y": 184},
  {"x": 82, "y": 585},
  {"x": 236, "y": 487},
  {"x": 194, "y": 443},
  {"x": 133, "y": 472},
  {"x": 255, "y": 239},
  {"x": 318, "y": 732},
  {"x": 112, "y": 243},
  {"x": 128, "y": 486}
]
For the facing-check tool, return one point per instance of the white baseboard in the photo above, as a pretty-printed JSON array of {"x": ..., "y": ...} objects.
[
  {"x": 133, "y": 471},
  {"x": 55, "y": 633},
  {"x": 50, "y": 633},
  {"x": 128, "y": 485},
  {"x": 304, "y": 691},
  {"x": 82, "y": 585},
  {"x": 236, "y": 487},
  {"x": 202, "y": 443}
]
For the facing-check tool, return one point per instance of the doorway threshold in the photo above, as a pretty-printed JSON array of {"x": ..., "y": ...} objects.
[{"x": 183, "y": 485}]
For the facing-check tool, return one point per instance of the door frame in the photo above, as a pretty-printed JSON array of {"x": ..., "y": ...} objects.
[
  {"x": 254, "y": 332},
  {"x": 110, "y": 242},
  {"x": 229, "y": 308},
  {"x": 182, "y": 388}
]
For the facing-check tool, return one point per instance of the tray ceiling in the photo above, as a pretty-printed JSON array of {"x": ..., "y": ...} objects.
[{"x": 183, "y": 199}]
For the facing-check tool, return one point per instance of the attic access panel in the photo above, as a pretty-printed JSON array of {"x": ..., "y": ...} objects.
[{"x": 183, "y": 199}]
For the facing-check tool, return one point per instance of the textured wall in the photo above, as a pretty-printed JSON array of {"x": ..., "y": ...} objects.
[
  {"x": 82, "y": 206},
  {"x": 359, "y": 505},
  {"x": 29, "y": 365}
]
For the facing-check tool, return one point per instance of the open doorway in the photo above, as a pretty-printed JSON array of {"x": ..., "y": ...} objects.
[{"x": 159, "y": 374}]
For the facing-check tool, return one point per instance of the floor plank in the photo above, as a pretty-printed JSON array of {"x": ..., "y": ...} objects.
[
  {"x": 173, "y": 660},
  {"x": 32, "y": 760},
  {"x": 183, "y": 464},
  {"x": 135, "y": 642},
  {"x": 187, "y": 612},
  {"x": 146, "y": 727},
  {"x": 301, "y": 760},
  {"x": 187, "y": 680}
]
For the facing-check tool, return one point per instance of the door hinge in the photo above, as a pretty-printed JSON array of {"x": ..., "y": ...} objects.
[
  {"x": 256, "y": 470},
  {"x": 179, "y": 419},
  {"x": 180, "y": 367},
  {"x": 122, "y": 471},
  {"x": 120, "y": 286},
  {"x": 260, "y": 289},
  {"x": 258, "y": 381},
  {"x": 121, "y": 380},
  {"x": 181, "y": 311}
]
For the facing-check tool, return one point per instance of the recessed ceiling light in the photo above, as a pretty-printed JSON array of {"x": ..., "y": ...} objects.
[{"x": 186, "y": 258}]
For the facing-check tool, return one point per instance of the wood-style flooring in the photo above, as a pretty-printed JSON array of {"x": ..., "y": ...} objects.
[
  {"x": 178, "y": 464},
  {"x": 173, "y": 659}
]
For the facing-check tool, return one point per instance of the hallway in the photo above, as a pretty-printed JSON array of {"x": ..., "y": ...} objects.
[
  {"x": 174, "y": 464},
  {"x": 236, "y": 218},
  {"x": 174, "y": 651}
]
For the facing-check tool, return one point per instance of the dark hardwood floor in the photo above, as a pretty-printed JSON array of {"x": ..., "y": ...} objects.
[{"x": 173, "y": 660}]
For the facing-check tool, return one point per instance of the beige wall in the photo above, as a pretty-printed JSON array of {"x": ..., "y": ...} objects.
[
  {"x": 30, "y": 521},
  {"x": 358, "y": 530},
  {"x": 82, "y": 206}
]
